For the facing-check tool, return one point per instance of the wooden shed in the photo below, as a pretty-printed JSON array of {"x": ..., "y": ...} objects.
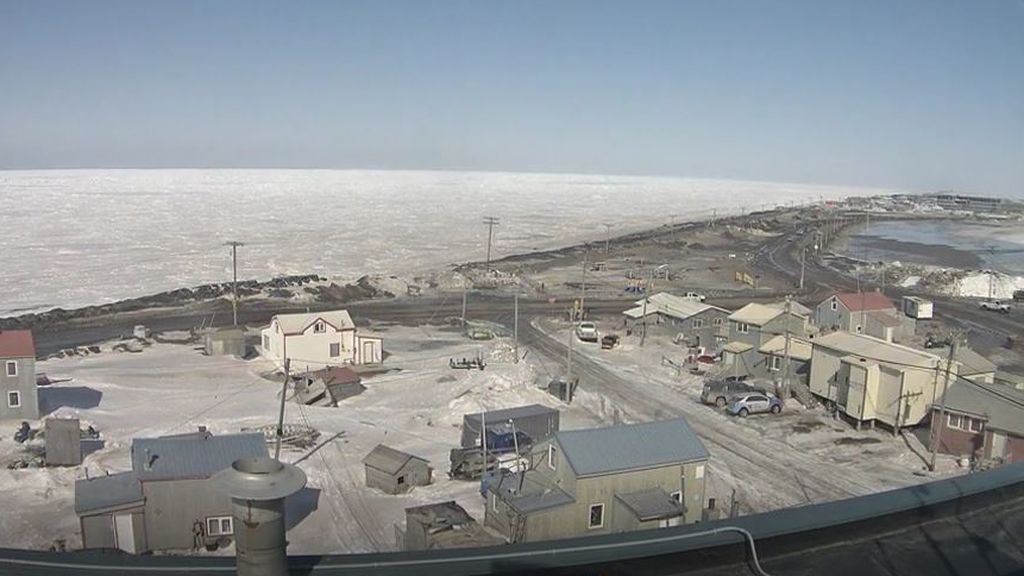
[{"x": 394, "y": 471}]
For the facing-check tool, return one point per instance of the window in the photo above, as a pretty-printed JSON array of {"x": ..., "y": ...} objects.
[
  {"x": 775, "y": 363},
  {"x": 835, "y": 304},
  {"x": 220, "y": 526},
  {"x": 14, "y": 399},
  {"x": 335, "y": 350},
  {"x": 975, "y": 425},
  {"x": 552, "y": 454},
  {"x": 698, "y": 472},
  {"x": 12, "y": 368},
  {"x": 401, "y": 480},
  {"x": 266, "y": 342},
  {"x": 953, "y": 421},
  {"x": 319, "y": 327},
  {"x": 716, "y": 322},
  {"x": 677, "y": 496},
  {"x": 596, "y": 516},
  {"x": 742, "y": 327},
  {"x": 698, "y": 323}
]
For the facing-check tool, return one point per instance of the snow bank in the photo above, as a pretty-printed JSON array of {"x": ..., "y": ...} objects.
[{"x": 977, "y": 285}]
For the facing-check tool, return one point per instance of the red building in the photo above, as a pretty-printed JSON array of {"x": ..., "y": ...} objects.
[{"x": 982, "y": 420}]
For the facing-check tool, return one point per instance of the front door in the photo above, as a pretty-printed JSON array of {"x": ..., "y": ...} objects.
[
  {"x": 369, "y": 352},
  {"x": 124, "y": 533},
  {"x": 998, "y": 445}
]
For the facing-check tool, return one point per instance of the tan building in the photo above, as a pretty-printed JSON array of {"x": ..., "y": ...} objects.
[
  {"x": 317, "y": 340},
  {"x": 750, "y": 328},
  {"x": 871, "y": 380},
  {"x": 601, "y": 481}
]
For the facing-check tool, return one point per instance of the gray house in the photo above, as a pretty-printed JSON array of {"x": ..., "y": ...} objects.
[
  {"x": 772, "y": 361},
  {"x": 750, "y": 328},
  {"x": 18, "y": 376},
  {"x": 167, "y": 501},
  {"x": 600, "y": 481},
  {"x": 394, "y": 471},
  {"x": 870, "y": 313},
  {"x": 700, "y": 324}
]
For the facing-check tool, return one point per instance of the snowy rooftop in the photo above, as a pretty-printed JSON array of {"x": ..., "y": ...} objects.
[
  {"x": 630, "y": 447},
  {"x": 754, "y": 313},
  {"x": 297, "y": 323},
  {"x": 876, "y": 349},
  {"x": 194, "y": 455}
]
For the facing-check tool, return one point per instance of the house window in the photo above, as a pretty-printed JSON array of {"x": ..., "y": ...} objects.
[
  {"x": 698, "y": 323},
  {"x": 401, "y": 480},
  {"x": 698, "y": 472},
  {"x": 775, "y": 363},
  {"x": 742, "y": 327},
  {"x": 677, "y": 496},
  {"x": 14, "y": 399},
  {"x": 716, "y": 322},
  {"x": 266, "y": 342},
  {"x": 975, "y": 425},
  {"x": 319, "y": 327},
  {"x": 12, "y": 368},
  {"x": 835, "y": 304},
  {"x": 552, "y": 454},
  {"x": 596, "y": 516},
  {"x": 953, "y": 421},
  {"x": 220, "y": 526},
  {"x": 335, "y": 350}
]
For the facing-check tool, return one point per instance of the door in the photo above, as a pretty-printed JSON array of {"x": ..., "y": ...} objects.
[
  {"x": 124, "y": 533},
  {"x": 369, "y": 352},
  {"x": 998, "y": 445}
]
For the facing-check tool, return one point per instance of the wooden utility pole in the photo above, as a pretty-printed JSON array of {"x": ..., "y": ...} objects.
[
  {"x": 279, "y": 433},
  {"x": 803, "y": 254},
  {"x": 464, "y": 289},
  {"x": 515, "y": 327},
  {"x": 643, "y": 316},
  {"x": 234, "y": 278},
  {"x": 942, "y": 402},
  {"x": 491, "y": 222},
  {"x": 785, "y": 351}
]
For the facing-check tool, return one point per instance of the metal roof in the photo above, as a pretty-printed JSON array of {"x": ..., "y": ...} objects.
[
  {"x": 527, "y": 494},
  {"x": 857, "y": 301},
  {"x": 297, "y": 323},
  {"x": 388, "y": 460},
  {"x": 192, "y": 455},
  {"x": 17, "y": 344},
  {"x": 877, "y": 349},
  {"x": 799, "y": 348},
  {"x": 102, "y": 492},
  {"x": 652, "y": 504},
  {"x": 737, "y": 347},
  {"x": 794, "y": 307},
  {"x": 510, "y": 413},
  {"x": 972, "y": 363},
  {"x": 757, "y": 314},
  {"x": 630, "y": 446},
  {"x": 670, "y": 305},
  {"x": 1001, "y": 405},
  {"x": 884, "y": 318}
]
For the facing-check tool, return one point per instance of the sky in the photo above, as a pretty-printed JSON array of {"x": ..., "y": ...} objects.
[{"x": 912, "y": 94}]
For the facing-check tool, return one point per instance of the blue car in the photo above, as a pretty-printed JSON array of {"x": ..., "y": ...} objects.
[{"x": 754, "y": 403}]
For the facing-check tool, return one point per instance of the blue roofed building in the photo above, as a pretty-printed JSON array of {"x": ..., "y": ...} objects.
[
  {"x": 167, "y": 500},
  {"x": 602, "y": 480}
]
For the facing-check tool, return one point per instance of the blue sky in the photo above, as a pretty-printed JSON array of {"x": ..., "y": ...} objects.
[{"x": 924, "y": 95}]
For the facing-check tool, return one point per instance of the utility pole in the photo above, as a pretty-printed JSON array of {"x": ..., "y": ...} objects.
[
  {"x": 785, "y": 351},
  {"x": 803, "y": 253},
  {"x": 491, "y": 222},
  {"x": 607, "y": 237},
  {"x": 583, "y": 282},
  {"x": 279, "y": 433},
  {"x": 643, "y": 315},
  {"x": 515, "y": 327},
  {"x": 234, "y": 278},
  {"x": 464, "y": 307},
  {"x": 942, "y": 402}
]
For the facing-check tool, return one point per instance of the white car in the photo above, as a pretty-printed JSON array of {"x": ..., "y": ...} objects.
[
  {"x": 694, "y": 296},
  {"x": 587, "y": 331},
  {"x": 996, "y": 306}
]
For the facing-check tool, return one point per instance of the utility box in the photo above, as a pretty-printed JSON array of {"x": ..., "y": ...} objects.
[
  {"x": 918, "y": 308},
  {"x": 63, "y": 442}
]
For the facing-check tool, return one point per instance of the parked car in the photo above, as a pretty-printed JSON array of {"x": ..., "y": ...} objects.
[
  {"x": 719, "y": 392},
  {"x": 587, "y": 331},
  {"x": 996, "y": 306},
  {"x": 609, "y": 341},
  {"x": 755, "y": 403},
  {"x": 694, "y": 296}
]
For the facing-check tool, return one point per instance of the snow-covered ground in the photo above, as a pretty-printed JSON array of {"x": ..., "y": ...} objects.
[
  {"x": 94, "y": 236},
  {"x": 171, "y": 388}
]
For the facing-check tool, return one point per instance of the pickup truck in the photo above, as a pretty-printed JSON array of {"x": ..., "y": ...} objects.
[
  {"x": 996, "y": 306},
  {"x": 720, "y": 392}
]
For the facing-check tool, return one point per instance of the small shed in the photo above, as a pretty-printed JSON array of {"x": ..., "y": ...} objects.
[
  {"x": 444, "y": 525},
  {"x": 63, "y": 442},
  {"x": 394, "y": 471},
  {"x": 226, "y": 342},
  {"x": 341, "y": 382},
  {"x": 534, "y": 420},
  {"x": 919, "y": 308}
]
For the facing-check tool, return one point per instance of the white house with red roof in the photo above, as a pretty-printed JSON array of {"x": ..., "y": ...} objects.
[
  {"x": 316, "y": 340},
  {"x": 871, "y": 313},
  {"x": 18, "y": 376}
]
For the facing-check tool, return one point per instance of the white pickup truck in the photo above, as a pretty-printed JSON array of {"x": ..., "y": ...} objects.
[{"x": 996, "y": 306}]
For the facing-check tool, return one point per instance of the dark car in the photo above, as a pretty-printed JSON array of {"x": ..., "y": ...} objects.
[{"x": 720, "y": 392}]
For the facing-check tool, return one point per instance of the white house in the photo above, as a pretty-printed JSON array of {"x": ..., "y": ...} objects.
[{"x": 316, "y": 340}]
